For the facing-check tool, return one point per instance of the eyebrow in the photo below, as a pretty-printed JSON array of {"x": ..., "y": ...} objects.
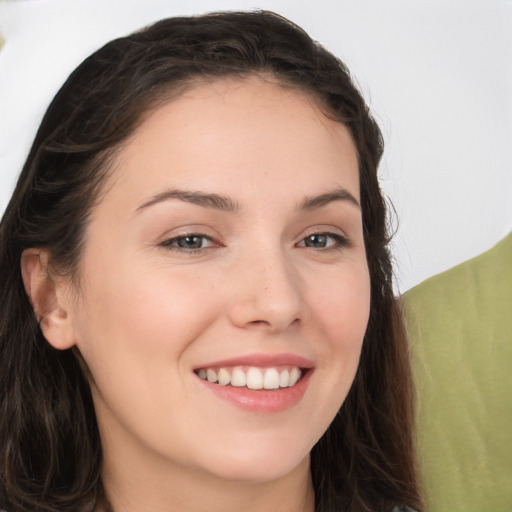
[
  {"x": 224, "y": 203},
  {"x": 339, "y": 194},
  {"x": 215, "y": 201}
]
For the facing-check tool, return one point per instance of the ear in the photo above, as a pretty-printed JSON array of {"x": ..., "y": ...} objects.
[{"x": 48, "y": 298}]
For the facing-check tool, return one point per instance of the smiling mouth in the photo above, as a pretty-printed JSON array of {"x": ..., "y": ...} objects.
[{"x": 252, "y": 377}]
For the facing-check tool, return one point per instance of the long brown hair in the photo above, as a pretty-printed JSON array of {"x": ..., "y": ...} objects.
[{"x": 50, "y": 449}]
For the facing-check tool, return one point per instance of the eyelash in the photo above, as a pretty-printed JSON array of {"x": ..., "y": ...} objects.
[{"x": 340, "y": 242}]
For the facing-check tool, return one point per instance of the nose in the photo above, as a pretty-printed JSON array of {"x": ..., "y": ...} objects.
[{"x": 266, "y": 293}]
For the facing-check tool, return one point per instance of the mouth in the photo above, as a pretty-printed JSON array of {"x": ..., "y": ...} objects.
[
  {"x": 253, "y": 377},
  {"x": 258, "y": 383}
]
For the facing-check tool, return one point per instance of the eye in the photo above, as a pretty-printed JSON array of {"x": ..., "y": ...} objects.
[
  {"x": 324, "y": 241},
  {"x": 188, "y": 243}
]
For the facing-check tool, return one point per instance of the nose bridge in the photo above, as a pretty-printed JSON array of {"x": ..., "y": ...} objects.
[{"x": 267, "y": 289}]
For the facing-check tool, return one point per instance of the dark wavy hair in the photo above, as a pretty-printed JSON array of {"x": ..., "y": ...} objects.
[{"x": 50, "y": 448}]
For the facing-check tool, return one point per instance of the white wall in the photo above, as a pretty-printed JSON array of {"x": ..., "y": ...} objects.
[{"x": 437, "y": 75}]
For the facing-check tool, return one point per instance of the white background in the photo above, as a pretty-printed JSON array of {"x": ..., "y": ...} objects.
[{"x": 437, "y": 75}]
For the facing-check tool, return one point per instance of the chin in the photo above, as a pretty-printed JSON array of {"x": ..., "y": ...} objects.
[{"x": 259, "y": 465}]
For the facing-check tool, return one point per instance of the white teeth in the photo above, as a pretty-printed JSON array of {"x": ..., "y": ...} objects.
[
  {"x": 294, "y": 376},
  {"x": 284, "y": 379},
  {"x": 224, "y": 377},
  {"x": 254, "y": 379},
  {"x": 271, "y": 379},
  {"x": 238, "y": 378}
]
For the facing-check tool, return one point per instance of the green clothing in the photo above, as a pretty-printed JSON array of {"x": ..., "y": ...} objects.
[{"x": 460, "y": 327}]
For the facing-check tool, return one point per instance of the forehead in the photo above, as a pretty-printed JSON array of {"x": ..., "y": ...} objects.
[{"x": 247, "y": 129}]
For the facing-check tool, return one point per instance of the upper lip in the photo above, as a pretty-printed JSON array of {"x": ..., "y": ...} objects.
[{"x": 262, "y": 361}]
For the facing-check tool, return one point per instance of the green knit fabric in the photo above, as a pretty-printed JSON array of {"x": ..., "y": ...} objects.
[{"x": 460, "y": 327}]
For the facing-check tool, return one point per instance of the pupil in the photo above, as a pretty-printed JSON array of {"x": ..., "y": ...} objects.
[
  {"x": 316, "y": 241},
  {"x": 190, "y": 242}
]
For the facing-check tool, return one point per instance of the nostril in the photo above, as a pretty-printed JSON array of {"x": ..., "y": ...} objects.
[{"x": 259, "y": 322}]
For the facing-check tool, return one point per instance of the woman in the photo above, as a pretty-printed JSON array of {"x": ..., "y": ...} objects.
[{"x": 203, "y": 314}]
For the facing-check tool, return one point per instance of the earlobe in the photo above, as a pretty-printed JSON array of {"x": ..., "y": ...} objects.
[{"x": 47, "y": 299}]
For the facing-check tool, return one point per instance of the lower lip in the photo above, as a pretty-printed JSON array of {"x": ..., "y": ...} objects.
[{"x": 261, "y": 400}]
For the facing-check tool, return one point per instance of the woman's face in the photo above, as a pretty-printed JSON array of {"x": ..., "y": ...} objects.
[{"x": 227, "y": 247}]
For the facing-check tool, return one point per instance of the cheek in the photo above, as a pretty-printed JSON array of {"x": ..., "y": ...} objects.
[
  {"x": 342, "y": 312},
  {"x": 343, "y": 305},
  {"x": 132, "y": 316},
  {"x": 133, "y": 330},
  {"x": 340, "y": 304}
]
